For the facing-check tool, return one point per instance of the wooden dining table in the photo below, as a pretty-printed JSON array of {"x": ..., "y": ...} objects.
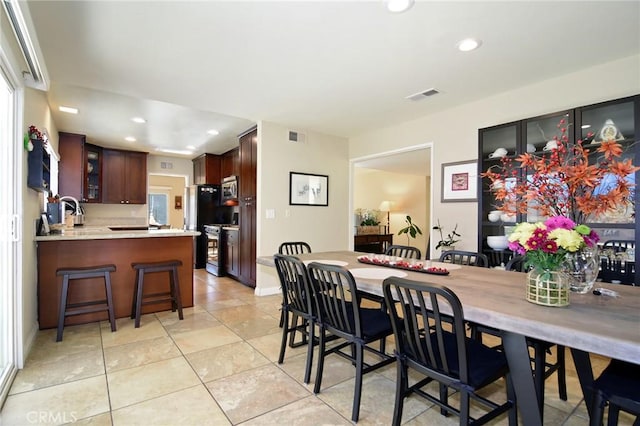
[{"x": 604, "y": 325}]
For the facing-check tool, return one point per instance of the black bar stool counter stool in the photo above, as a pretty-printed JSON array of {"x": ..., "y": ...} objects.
[
  {"x": 173, "y": 295},
  {"x": 88, "y": 306}
]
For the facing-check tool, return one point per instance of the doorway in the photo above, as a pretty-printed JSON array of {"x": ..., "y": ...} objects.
[{"x": 399, "y": 183}]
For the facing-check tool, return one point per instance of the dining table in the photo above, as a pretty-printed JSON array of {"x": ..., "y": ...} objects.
[{"x": 607, "y": 325}]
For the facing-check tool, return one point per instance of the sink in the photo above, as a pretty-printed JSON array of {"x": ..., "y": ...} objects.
[{"x": 129, "y": 228}]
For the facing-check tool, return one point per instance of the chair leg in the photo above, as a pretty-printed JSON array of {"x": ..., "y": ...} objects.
[
  {"x": 402, "y": 383},
  {"x": 285, "y": 332},
  {"x": 444, "y": 398},
  {"x": 614, "y": 411},
  {"x": 307, "y": 372},
  {"x": 464, "y": 407},
  {"x": 134, "y": 302},
  {"x": 357, "y": 395},
  {"x": 63, "y": 307},
  {"x": 561, "y": 372},
  {"x": 597, "y": 409},
  {"x": 511, "y": 396},
  {"x": 112, "y": 317},
  {"x": 281, "y": 318},
  {"x": 539, "y": 373},
  {"x": 321, "y": 338},
  {"x": 292, "y": 329},
  {"x": 139, "y": 288},
  {"x": 175, "y": 289}
]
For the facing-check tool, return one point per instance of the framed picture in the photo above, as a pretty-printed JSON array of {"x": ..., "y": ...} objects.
[
  {"x": 178, "y": 202},
  {"x": 459, "y": 181},
  {"x": 308, "y": 190}
]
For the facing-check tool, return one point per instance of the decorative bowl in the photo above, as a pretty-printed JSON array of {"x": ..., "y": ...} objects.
[{"x": 498, "y": 242}]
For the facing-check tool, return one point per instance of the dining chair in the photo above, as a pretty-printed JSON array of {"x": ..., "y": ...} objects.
[
  {"x": 442, "y": 352},
  {"x": 340, "y": 313},
  {"x": 406, "y": 252},
  {"x": 292, "y": 248},
  {"x": 618, "y": 387},
  {"x": 516, "y": 263},
  {"x": 619, "y": 245},
  {"x": 461, "y": 257},
  {"x": 296, "y": 296},
  {"x": 612, "y": 270}
]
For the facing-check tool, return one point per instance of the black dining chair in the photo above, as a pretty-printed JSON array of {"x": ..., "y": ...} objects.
[
  {"x": 619, "y": 245},
  {"x": 619, "y": 387},
  {"x": 516, "y": 263},
  {"x": 292, "y": 248},
  {"x": 296, "y": 296},
  {"x": 406, "y": 252},
  {"x": 339, "y": 313},
  {"x": 461, "y": 257},
  {"x": 442, "y": 352}
]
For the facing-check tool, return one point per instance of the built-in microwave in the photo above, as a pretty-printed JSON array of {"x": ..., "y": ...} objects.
[{"x": 230, "y": 190}]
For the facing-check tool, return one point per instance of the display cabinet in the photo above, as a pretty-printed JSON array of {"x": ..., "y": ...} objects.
[
  {"x": 92, "y": 188},
  {"x": 592, "y": 124},
  {"x": 39, "y": 164}
]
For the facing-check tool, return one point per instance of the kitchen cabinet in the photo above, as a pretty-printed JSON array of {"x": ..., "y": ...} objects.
[
  {"x": 124, "y": 177},
  {"x": 206, "y": 169},
  {"x": 39, "y": 164},
  {"x": 247, "y": 205},
  {"x": 80, "y": 168},
  {"x": 533, "y": 134},
  {"x": 232, "y": 254},
  {"x": 229, "y": 164}
]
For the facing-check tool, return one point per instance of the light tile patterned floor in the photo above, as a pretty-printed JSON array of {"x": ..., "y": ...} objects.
[{"x": 216, "y": 367}]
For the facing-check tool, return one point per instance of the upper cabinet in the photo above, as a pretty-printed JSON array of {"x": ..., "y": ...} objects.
[
  {"x": 39, "y": 162},
  {"x": 80, "y": 168},
  {"x": 124, "y": 177},
  {"x": 230, "y": 163},
  {"x": 592, "y": 124},
  {"x": 206, "y": 169}
]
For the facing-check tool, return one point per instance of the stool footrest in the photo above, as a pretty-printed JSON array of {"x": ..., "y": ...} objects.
[{"x": 86, "y": 311}]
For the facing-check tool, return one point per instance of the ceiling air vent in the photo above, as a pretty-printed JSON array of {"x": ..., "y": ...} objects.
[
  {"x": 297, "y": 137},
  {"x": 424, "y": 94}
]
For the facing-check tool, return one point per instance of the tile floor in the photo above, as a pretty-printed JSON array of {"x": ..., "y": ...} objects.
[{"x": 216, "y": 367}]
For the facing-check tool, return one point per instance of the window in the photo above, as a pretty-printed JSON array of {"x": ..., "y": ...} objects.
[{"x": 158, "y": 208}]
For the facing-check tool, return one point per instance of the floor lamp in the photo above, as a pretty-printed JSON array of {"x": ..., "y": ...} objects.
[{"x": 385, "y": 206}]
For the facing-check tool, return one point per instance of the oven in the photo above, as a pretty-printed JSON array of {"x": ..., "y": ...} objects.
[{"x": 214, "y": 244}]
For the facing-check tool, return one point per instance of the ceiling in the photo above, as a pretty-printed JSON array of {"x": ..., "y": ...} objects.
[{"x": 333, "y": 67}]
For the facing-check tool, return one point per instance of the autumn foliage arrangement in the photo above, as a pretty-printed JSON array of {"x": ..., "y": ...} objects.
[{"x": 562, "y": 182}]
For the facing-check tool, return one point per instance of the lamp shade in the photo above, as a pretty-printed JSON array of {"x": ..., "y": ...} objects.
[{"x": 385, "y": 206}]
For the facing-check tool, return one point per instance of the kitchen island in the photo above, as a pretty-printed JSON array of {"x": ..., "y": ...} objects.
[{"x": 93, "y": 246}]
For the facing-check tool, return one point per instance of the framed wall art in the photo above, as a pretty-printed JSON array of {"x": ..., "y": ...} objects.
[
  {"x": 307, "y": 189},
  {"x": 459, "y": 181}
]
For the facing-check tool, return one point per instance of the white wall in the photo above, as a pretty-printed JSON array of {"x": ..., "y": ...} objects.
[
  {"x": 454, "y": 132},
  {"x": 324, "y": 228}
]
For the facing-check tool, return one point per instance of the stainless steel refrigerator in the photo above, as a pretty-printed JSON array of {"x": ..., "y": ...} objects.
[{"x": 203, "y": 207}]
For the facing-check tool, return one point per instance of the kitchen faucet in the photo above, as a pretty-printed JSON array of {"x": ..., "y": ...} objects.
[{"x": 79, "y": 216}]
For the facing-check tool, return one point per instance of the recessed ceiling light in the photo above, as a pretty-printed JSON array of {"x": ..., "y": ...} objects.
[
  {"x": 468, "y": 44},
  {"x": 213, "y": 132},
  {"x": 68, "y": 109},
  {"x": 130, "y": 139},
  {"x": 190, "y": 147},
  {"x": 175, "y": 151},
  {"x": 398, "y": 6},
  {"x": 585, "y": 126},
  {"x": 138, "y": 120}
]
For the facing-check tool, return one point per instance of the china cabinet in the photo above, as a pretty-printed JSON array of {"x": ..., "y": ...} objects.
[{"x": 616, "y": 119}]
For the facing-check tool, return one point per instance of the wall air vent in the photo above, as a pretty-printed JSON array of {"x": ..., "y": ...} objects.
[
  {"x": 424, "y": 94},
  {"x": 297, "y": 137}
]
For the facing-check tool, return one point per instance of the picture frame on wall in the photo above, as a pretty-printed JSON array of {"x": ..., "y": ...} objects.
[
  {"x": 459, "y": 181},
  {"x": 306, "y": 189}
]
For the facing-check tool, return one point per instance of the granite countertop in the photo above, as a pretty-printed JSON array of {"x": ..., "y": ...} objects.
[{"x": 104, "y": 233}]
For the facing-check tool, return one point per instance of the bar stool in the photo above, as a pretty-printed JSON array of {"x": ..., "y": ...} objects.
[
  {"x": 103, "y": 271},
  {"x": 173, "y": 295}
]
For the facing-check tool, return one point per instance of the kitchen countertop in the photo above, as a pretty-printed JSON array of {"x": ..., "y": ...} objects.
[{"x": 104, "y": 233}]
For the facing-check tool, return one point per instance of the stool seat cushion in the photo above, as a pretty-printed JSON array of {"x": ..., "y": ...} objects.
[{"x": 157, "y": 265}]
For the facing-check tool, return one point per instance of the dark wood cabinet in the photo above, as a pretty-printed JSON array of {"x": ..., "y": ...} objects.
[
  {"x": 124, "y": 177},
  {"x": 206, "y": 169},
  {"x": 80, "y": 168},
  {"x": 229, "y": 164},
  {"x": 247, "y": 204},
  {"x": 372, "y": 243},
  {"x": 232, "y": 255},
  {"x": 39, "y": 163}
]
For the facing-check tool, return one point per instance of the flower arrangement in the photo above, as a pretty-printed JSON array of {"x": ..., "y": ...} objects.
[
  {"x": 563, "y": 182},
  {"x": 368, "y": 217},
  {"x": 450, "y": 241},
  {"x": 34, "y": 133},
  {"x": 545, "y": 245}
]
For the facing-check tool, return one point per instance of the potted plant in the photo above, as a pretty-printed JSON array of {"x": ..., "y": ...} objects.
[
  {"x": 411, "y": 229},
  {"x": 451, "y": 240},
  {"x": 368, "y": 221}
]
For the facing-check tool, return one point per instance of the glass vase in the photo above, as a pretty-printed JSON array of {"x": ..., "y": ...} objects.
[
  {"x": 548, "y": 288},
  {"x": 582, "y": 269}
]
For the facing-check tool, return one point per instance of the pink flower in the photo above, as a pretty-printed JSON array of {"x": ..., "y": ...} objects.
[{"x": 559, "y": 222}]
